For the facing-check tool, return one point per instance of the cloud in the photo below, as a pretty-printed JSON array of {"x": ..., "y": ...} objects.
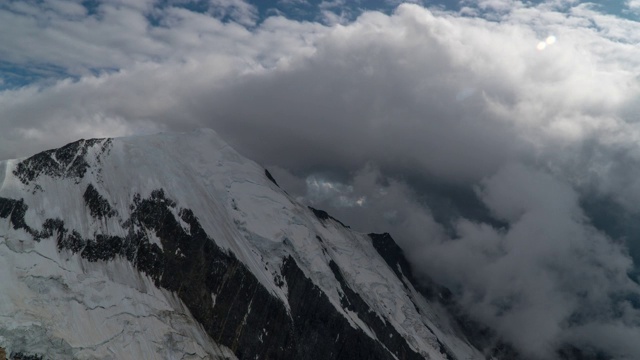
[
  {"x": 476, "y": 149},
  {"x": 238, "y": 10},
  {"x": 548, "y": 275}
]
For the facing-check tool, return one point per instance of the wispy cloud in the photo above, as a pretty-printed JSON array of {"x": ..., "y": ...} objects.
[
  {"x": 633, "y": 5},
  {"x": 236, "y": 10}
]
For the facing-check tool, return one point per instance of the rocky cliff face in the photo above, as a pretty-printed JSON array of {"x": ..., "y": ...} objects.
[{"x": 174, "y": 246}]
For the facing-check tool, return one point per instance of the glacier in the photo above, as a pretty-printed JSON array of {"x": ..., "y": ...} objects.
[{"x": 174, "y": 246}]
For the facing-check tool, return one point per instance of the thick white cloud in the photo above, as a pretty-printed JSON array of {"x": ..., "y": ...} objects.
[
  {"x": 415, "y": 98},
  {"x": 549, "y": 267}
]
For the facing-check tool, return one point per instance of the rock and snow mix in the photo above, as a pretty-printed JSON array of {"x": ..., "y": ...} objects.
[{"x": 57, "y": 301}]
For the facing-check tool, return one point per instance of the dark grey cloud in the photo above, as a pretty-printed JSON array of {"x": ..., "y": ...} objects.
[{"x": 487, "y": 145}]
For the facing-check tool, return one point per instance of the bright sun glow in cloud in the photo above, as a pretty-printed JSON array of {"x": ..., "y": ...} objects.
[{"x": 550, "y": 40}]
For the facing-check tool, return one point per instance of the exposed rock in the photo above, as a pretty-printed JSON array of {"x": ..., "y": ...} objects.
[
  {"x": 97, "y": 204},
  {"x": 270, "y": 177},
  {"x": 323, "y": 215},
  {"x": 23, "y": 356},
  {"x": 68, "y": 161}
]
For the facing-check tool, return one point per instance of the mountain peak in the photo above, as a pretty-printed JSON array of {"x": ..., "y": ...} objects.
[{"x": 174, "y": 245}]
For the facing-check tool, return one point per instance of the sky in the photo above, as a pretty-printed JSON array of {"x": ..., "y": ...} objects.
[{"x": 496, "y": 140}]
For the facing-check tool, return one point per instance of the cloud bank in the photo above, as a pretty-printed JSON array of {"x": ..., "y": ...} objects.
[{"x": 477, "y": 138}]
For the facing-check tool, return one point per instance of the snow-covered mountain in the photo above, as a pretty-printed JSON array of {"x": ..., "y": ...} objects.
[{"x": 174, "y": 246}]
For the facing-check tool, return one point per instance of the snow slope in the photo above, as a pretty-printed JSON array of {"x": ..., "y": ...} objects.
[{"x": 60, "y": 302}]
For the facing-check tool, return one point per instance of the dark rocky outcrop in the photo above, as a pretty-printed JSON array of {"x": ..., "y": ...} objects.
[
  {"x": 23, "y": 356},
  {"x": 324, "y": 216},
  {"x": 98, "y": 205},
  {"x": 68, "y": 161},
  {"x": 270, "y": 177},
  {"x": 15, "y": 210},
  {"x": 393, "y": 256}
]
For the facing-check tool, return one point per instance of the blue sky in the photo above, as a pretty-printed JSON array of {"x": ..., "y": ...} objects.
[{"x": 308, "y": 10}]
